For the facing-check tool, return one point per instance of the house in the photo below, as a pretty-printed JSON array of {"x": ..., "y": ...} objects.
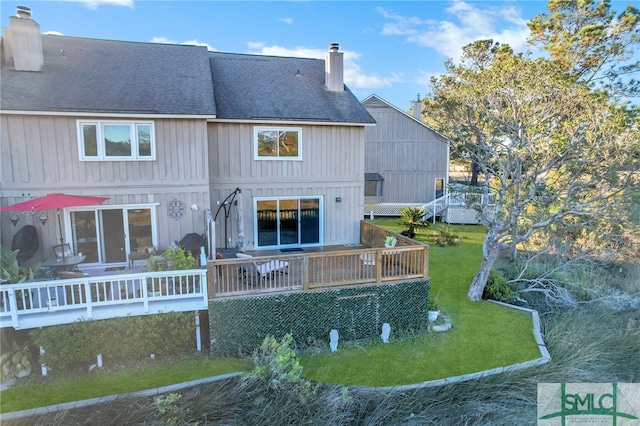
[
  {"x": 406, "y": 162},
  {"x": 168, "y": 133},
  {"x": 269, "y": 149},
  {"x": 291, "y": 136}
]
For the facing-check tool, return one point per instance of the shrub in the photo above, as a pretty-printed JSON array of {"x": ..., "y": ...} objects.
[
  {"x": 169, "y": 409},
  {"x": 175, "y": 259},
  {"x": 445, "y": 236},
  {"x": 118, "y": 339},
  {"x": 278, "y": 371},
  {"x": 276, "y": 363},
  {"x": 11, "y": 271},
  {"x": 413, "y": 220},
  {"x": 497, "y": 288}
]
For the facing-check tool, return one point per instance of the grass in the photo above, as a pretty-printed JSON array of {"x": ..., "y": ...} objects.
[
  {"x": 590, "y": 344},
  {"x": 45, "y": 392},
  {"x": 484, "y": 335}
]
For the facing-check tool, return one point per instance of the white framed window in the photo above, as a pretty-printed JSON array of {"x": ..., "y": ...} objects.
[
  {"x": 277, "y": 143},
  {"x": 372, "y": 188},
  {"x": 373, "y": 184},
  {"x": 116, "y": 140}
]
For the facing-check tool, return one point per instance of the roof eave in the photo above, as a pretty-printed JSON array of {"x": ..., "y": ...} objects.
[
  {"x": 142, "y": 114},
  {"x": 289, "y": 122}
]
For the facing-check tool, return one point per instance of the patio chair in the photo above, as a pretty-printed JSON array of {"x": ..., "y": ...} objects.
[
  {"x": 248, "y": 269},
  {"x": 368, "y": 259},
  {"x": 262, "y": 270},
  {"x": 25, "y": 240},
  {"x": 62, "y": 250}
]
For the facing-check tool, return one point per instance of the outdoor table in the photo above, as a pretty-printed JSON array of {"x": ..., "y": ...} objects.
[{"x": 67, "y": 263}]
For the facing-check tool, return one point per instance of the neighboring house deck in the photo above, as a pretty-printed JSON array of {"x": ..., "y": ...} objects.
[
  {"x": 432, "y": 209},
  {"x": 455, "y": 207}
]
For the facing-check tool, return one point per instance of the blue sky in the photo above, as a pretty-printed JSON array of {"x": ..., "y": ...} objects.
[{"x": 391, "y": 48}]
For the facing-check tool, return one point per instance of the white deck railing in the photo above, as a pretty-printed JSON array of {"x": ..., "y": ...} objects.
[
  {"x": 44, "y": 303},
  {"x": 436, "y": 206},
  {"x": 469, "y": 198}
]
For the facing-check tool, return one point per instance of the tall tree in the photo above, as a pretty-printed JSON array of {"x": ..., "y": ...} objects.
[
  {"x": 592, "y": 43},
  {"x": 550, "y": 149}
]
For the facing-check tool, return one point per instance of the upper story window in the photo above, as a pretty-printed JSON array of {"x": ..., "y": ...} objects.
[
  {"x": 116, "y": 140},
  {"x": 277, "y": 143}
]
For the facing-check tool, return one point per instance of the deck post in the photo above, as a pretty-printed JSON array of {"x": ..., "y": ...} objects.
[
  {"x": 13, "y": 306},
  {"x": 305, "y": 272},
  {"x": 198, "y": 333},
  {"x": 426, "y": 262},
  {"x": 87, "y": 295},
  {"x": 211, "y": 279},
  {"x": 378, "y": 266}
]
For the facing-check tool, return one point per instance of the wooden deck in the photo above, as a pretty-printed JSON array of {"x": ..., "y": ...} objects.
[
  {"x": 52, "y": 302},
  {"x": 321, "y": 267}
]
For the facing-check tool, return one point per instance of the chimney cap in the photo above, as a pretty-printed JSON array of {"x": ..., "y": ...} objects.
[
  {"x": 334, "y": 47},
  {"x": 23, "y": 12}
]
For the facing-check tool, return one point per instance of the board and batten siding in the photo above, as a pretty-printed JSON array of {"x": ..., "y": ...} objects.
[
  {"x": 408, "y": 155},
  {"x": 39, "y": 155},
  {"x": 332, "y": 166}
]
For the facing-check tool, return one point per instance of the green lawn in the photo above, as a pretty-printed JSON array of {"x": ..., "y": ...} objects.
[
  {"x": 483, "y": 336},
  {"x": 48, "y": 392}
]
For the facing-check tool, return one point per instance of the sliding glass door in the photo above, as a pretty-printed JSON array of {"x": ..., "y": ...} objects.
[
  {"x": 288, "y": 222},
  {"x": 108, "y": 235}
]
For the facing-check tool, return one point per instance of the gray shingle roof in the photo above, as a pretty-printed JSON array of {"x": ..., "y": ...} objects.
[
  {"x": 109, "y": 76},
  {"x": 253, "y": 87},
  {"x": 92, "y": 75}
]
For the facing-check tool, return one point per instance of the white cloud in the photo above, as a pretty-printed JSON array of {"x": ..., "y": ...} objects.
[
  {"x": 94, "y": 4},
  {"x": 287, "y": 21},
  {"x": 424, "y": 77},
  {"x": 55, "y": 33},
  {"x": 193, "y": 42},
  {"x": 469, "y": 22},
  {"x": 354, "y": 77},
  {"x": 296, "y": 52}
]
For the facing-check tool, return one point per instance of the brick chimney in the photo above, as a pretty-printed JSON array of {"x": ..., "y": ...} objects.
[
  {"x": 334, "y": 68},
  {"x": 417, "y": 108},
  {"x": 23, "y": 41}
]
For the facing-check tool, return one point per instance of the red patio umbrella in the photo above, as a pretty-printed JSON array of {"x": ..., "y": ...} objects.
[{"x": 55, "y": 201}]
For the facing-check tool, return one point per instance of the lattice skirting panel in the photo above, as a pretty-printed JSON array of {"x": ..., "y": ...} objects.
[
  {"x": 238, "y": 326},
  {"x": 462, "y": 215},
  {"x": 386, "y": 209}
]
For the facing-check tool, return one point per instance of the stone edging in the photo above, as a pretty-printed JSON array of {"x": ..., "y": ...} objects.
[
  {"x": 544, "y": 358},
  {"x": 102, "y": 399}
]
